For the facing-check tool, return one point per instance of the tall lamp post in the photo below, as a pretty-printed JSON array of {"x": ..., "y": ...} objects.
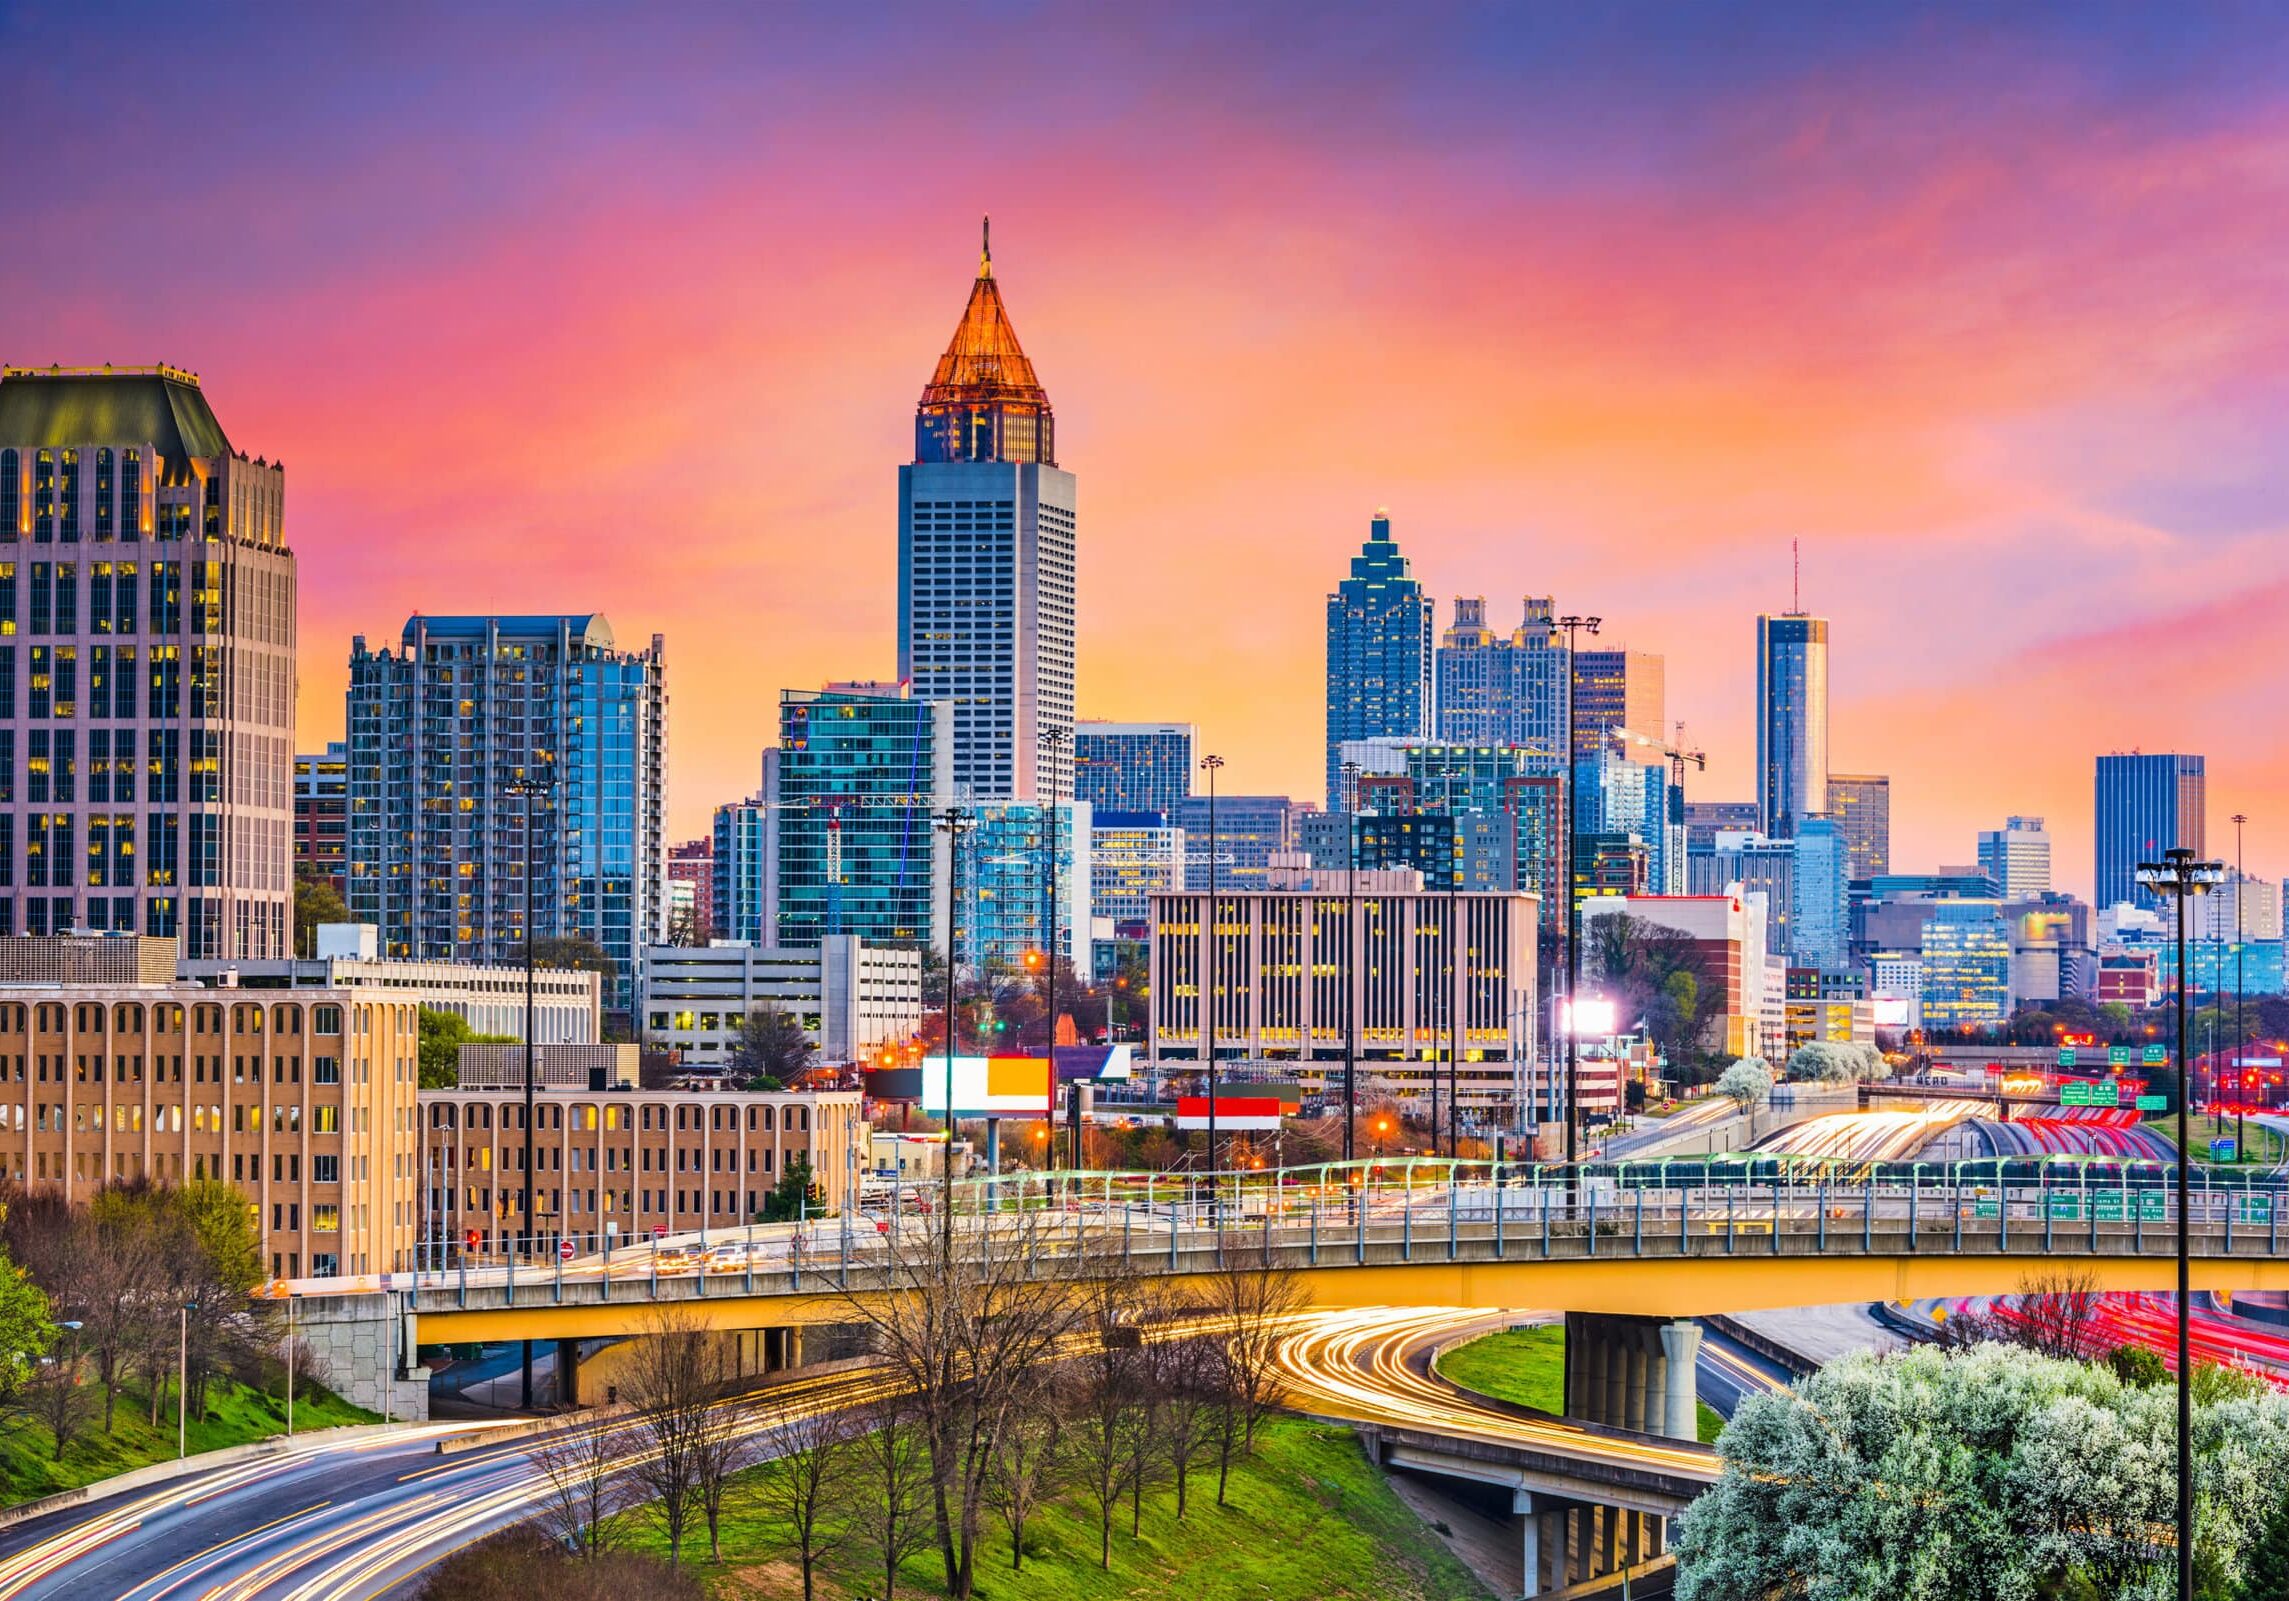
[
  {"x": 2181, "y": 877},
  {"x": 2240, "y": 942},
  {"x": 1352, "y": 966},
  {"x": 1456, "y": 989},
  {"x": 1573, "y": 626},
  {"x": 1211, "y": 765},
  {"x": 956, "y": 822},
  {"x": 529, "y": 789}
]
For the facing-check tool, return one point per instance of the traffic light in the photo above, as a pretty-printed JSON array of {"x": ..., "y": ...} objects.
[{"x": 469, "y": 1240}]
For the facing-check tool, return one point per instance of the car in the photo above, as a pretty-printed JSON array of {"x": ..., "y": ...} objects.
[
  {"x": 674, "y": 1258},
  {"x": 729, "y": 1257}
]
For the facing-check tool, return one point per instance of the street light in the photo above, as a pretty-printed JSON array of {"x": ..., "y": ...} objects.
[
  {"x": 956, "y": 822},
  {"x": 2181, "y": 877},
  {"x": 529, "y": 788},
  {"x": 1352, "y": 966},
  {"x": 1053, "y": 740},
  {"x": 1572, "y": 625},
  {"x": 183, "y": 1377},
  {"x": 2241, "y": 1088},
  {"x": 1212, "y": 765}
]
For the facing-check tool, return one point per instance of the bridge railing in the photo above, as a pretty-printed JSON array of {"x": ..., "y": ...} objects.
[{"x": 1427, "y": 1210}]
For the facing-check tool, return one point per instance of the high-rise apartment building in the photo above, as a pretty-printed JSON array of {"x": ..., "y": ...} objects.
[
  {"x": 1616, "y": 796},
  {"x": 1618, "y": 689},
  {"x": 1500, "y": 691},
  {"x": 1009, "y": 907},
  {"x": 691, "y": 892},
  {"x": 322, "y": 813},
  {"x": 441, "y": 729},
  {"x": 1378, "y": 653},
  {"x": 1861, "y": 804},
  {"x": 986, "y": 544},
  {"x": 2145, "y": 805},
  {"x": 1133, "y": 856},
  {"x": 1792, "y": 720},
  {"x": 863, "y": 771},
  {"x": 1705, "y": 820},
  {"x": 1249, "y": 830},
  {"x": 2017, "y": 857},
  {"x": 744, "y": 901},
  {"x": 2238, "y": 909},
  {"x": 1132, "y": 767},
  {"x": 146, "y": 666},
  {"x": 1820, "y": 923},
  {"x": 1516, "y": 782}
]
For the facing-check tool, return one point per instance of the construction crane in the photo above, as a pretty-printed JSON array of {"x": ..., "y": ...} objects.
[{"x": 1678, "y": 755}]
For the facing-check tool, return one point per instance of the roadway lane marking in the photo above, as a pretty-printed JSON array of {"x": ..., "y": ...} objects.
[{"x": 246, "y": 1534}]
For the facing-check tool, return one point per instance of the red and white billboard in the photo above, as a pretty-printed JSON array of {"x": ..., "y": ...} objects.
[{"x": 1240, "y": 1113}]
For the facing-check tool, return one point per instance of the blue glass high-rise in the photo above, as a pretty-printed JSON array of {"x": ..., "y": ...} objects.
[
  {"x": 2144, "y": 805},
  {"x": 1378, "y": 653}
]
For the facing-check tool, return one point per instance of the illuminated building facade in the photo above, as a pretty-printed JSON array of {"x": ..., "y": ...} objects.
[
  {"x": 1966, "y": 966},
  {"x": 1496, "y": 691},
  {"x": 1617, "y": 689},
  {"x": 1133, "y": 767},
  {"x": 439, "y": 730},
  {"x": 1792, "y": 720},
  {"x": 322, "y": 813},
  {"x": 147, "y": 667},
  {"x": 862, "y": 771},
  {"x": 986, "y": 539},
  {"x": 2145, "y": 805},
  {"x": 1378, "y": 653},
  {"x": 1861, "y": 804},
  {"x": 1133, "y": 856}
]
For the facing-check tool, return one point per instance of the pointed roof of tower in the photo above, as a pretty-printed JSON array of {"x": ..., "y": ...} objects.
[{"x": 984, "y": 362}]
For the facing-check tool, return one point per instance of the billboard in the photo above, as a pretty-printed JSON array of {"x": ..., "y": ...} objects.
[
  {"x": 1234, "y": 1113},
  {"x": 987, "y": 1086}
]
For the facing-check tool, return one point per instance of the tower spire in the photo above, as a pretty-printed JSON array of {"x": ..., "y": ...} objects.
[{"x": 985, "y": 249}]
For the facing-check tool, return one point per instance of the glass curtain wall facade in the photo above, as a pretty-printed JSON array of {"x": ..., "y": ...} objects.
[
  {"x": 438, "y": 731},
  {"x": 745, "y": 902},
  {"x": 1497, "y": 691},
  {"x": 1004, "y": 892},
  {"x": 1792, "y": 720},
  {"x": 1133, "y": 767},
  {"x": 2144, "y": 805},
  {"x": 1378, "y": 653},
  {"x": 1966, "y": 966},
  {"x": 1618, "y": 689},
  {"x": 1820, "y": 931},
  {"x": 147, "y": 667},
  {"x": 1861, "y": 804},
  {"x": 870, "y": 767}
]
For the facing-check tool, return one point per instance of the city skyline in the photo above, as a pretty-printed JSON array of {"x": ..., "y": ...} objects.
[{"x": 1635, "y": 428}]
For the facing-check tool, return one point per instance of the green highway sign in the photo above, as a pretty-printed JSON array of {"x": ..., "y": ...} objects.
[
  {"x": 2221, "y": 1150},
  {"x": 2153, "y": 1103},
  {"x": 2076, "y": 1093},
  {"x": 2107, "y": 1205},
  {"x": 2066, "y": 1056},
  {"x": 2118, "y": 1056},
  {"x": 2156, "y": 1055}
]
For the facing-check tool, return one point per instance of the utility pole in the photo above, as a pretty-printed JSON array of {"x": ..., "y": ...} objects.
[
  {"x": 956, "y": 822},
  {"x": 1212, "y": 765},
  {"x": 1573, "y": 625},
  {"x": 530, "y": 789},
  {"x": 1352, "y": 966},
  {"x": 1052, "y": 740},
  {"x": 2240, "y": 1047}
]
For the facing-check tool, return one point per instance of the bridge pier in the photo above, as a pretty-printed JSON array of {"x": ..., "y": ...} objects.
[
  {"x": 1564, "y": 1541},
  {"x": 1633, "y": 1373}
]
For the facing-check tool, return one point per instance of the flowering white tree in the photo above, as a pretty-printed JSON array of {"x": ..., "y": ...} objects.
[
  {"x": 1981, "y": 1475},
  {"x": 1748, "y": 1081}
]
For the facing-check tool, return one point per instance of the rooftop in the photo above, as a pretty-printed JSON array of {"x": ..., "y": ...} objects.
[{"x": 160, "y": 406}]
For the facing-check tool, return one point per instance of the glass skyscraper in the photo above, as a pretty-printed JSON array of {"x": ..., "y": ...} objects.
[
  {"x": 1133, "y": 856},
  {"x": 1618, "y": 689},
  {"x": 1378, "y": 653},
  {"x": 744, "y": 863},
  {"x": 1132, "y": 767},
  {"x": 1005, "y": 905},
  {"x": 438, "y": 730},
  {"x": 1820, "y": 923},
  {"x": 986, "y": 530},
  {"x": 1250, "y": 829},
  {"x": 1504, "y": 691},
  {"x": 147, "y": 667},
  {"x": 2145, "y": 805},
  {"x": 1792, "y": 720},
  {"x": 863, "y": 770},
  {"x": 1861, "y": 804},
  {"x": 1617, "y": 796},
  {"x": 1966, "y": 966}
]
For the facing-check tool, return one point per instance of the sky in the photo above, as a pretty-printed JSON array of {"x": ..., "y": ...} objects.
[{"x": 582, "y": 307}]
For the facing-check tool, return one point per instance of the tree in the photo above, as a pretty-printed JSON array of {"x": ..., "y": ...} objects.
[
  {"x": 576, "y": 951},
  {"x": 1748, "y": 1081},
  {"x": 2056, "y": 1314},
  {"x": 1974, "y": 1475},
  {"x": 1027, "y": 1464},
  {"x": 808, "y": 1494},
  {"x": 674, "y": 1374},
  {"x": 2266, "y": 1578},
  {"x": 1640, "y": 963},
  {"x": 581, "y": 1465},
  {"x": 797, "y": 1195},
  {"x": 1829, "y": 1062},
  {"x": 1253, "y": 1300},
  {"x": 894, "y": 1452},
  {"x": 1185, "y": 1378},
  {"x": 521, "y": 1563},
  {"x": 315, "y": 901},
  {"x": 771, "y": 1045},
  {"x": 442, "y": 1036}
]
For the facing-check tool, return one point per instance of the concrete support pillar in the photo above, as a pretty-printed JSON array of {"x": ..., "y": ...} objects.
[
  {"x": 1653, "y": 1401},
  {"x": 568, "y": 1373},
  {"x": 1614, "y": 1338},
  {"x": 1682, "y": 1342},
  {"x": 794, "y": 1346},
  {"x": 1633, "y": 1389},
  {"x": 1609, "y": 1537},
  {"x": 1578, "y": 1532},
  {"x": 1530, "y": 1558},
  {"x": 1577, "y": 1367}
]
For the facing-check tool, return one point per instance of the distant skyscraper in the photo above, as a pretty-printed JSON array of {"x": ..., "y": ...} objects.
[
  {"x": 744, "y": 904},
  {"x": 1378, "y": 652},
  {"x": 2145, "y": 805},
  {"x": 1132, "y": 767},
  {"x": 146, "y": 634},
  {"x": 1504, "y": 691},
  {"x": 322, "y": 813},
  {"x": 1250, "y": 829},
  {"x": 1764, "y": 866},
  {"x": 1618, "y": 689},
  {"x": 1619, "y": 797},
  {"x": 1704, "y": 820},
  {"x": 691, "y": 892},
  {"x": 1819, "y": 917},
  {"x": 862, "y": 769},
  {"x": 1003, "y": 893},
  {"x": 440, "y": 728},
  {"x": 986, "y": 530},
  {"x": 2017, "y": 857},
  {"x": 1792, "y": 719},
  {"x": 1861, "y": 804},
  {"x": 1133, "y": 856},
  {"x": 1966, "y": 966}
]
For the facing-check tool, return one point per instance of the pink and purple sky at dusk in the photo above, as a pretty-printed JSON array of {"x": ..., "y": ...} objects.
[{"x": 584, "y": 308}]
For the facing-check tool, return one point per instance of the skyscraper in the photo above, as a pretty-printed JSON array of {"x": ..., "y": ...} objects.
[
  {"x": 438, "y": 731},
  {"x": 321, "y": 813},
  {"x": 1820, "y": 928},
  {"x": 691, "y": 892},
  {"x": 744, "y": 903},
  {"x": 1132, "y": 767},
  {"x": 146, "y": 666},
  {"x": 1792, "y": 719},
  {"x": 2017, "y": 857},
  {"x": 2145, "y": 805},
  {"x": 1617, "y": 689},
  {"x": 1509, "y": 691},
  {"x": 862, "y": 769},
  {"x": 1378, "y": 652},
  {"x": 1861, "y": 804},
  {"x": 986, "y": 531},
  {"x": 1617, "y": 796}
]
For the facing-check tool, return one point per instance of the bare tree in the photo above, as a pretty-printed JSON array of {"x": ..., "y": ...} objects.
[
  {"x": 972, "y": 1320},
  {"x": 581, "y": 1465},
  {"x": 670, "y": 1387},
  {"x": 1254, "y": 1301},
  {"x": 1107, "y": 1396},
  {"x": 808, "y": 1493},
  {"x": 58, "y": 1397},
  {"x": 2056, "y": 1314},
  {"x": 1026, "y": 1463},
  {"x": 894, "y": 1454},
  {"x": 1186, "y": 1370}
]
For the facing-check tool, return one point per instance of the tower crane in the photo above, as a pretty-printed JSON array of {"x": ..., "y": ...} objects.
[{"x": 1677, "y": 754}]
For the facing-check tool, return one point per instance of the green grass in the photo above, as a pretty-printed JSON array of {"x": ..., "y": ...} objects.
[
  {"x": 28, "y": 1465},
  {"x": 1309, "y": 1518},
  {"x": 2263, "y": 1147},
  {"x": 1527, "y": 1367}
]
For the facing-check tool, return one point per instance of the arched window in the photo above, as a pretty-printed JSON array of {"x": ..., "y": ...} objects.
[{"x": 11, "y": 494}]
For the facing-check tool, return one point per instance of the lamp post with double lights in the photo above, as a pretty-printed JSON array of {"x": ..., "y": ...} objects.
[
  {"x": 529, "y": 788},
  {"x": 1352, "y": 966},
  {"x": 2240, "y": 1050},
  {"x": 1053, "y": 741},
  {"x": 956, "y": 822},
  {"x": 2181, "y": 877},
  {"x": 1211, "y": 765},
  {"x": 1573, "y": 625}
]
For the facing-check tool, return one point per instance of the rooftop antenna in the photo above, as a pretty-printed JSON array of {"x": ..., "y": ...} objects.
[
  {"x": 985, "y": 249},
  {"x": 1795, "y": 580}
]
